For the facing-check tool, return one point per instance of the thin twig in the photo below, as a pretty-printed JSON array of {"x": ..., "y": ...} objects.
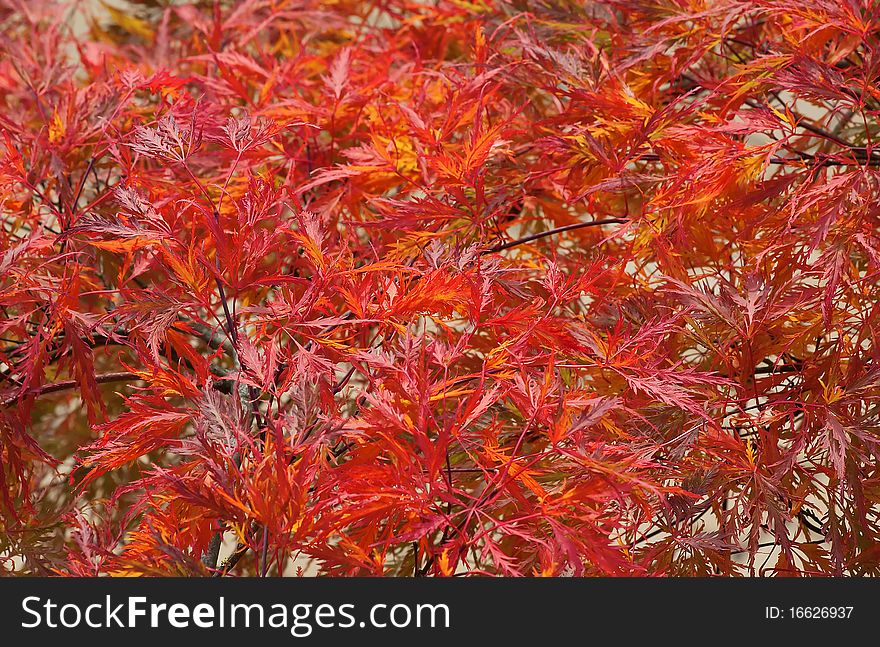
[{"x": 557, "y": 230}]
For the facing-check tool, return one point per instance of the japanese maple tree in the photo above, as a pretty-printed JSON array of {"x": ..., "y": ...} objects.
[{"x": 385, "y": 287}]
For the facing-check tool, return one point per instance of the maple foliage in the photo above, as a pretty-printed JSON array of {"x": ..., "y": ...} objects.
[{"x": 382, "y": 287}]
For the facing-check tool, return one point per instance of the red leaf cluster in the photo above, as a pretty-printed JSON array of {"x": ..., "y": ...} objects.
[{"x": 383, "y": 287}]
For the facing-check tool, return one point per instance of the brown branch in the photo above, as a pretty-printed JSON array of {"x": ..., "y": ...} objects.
[
  {"x": 230, "y": 562},
  {"x": 551, "y": 232},
  {"x": 802, "y": 159},
  {"x": 71, "y": 384}
]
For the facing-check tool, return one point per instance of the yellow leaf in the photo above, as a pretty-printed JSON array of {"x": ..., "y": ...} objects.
[
  {"x": 750, "y": 451},
  {"x": 129, "y": 22},
  {"x": 443, "y": 563},
  {"x": 56, "y": 128}
]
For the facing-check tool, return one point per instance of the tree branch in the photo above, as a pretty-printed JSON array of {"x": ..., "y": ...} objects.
[
  {"x": 122, "y": 376},
  {"x": 551, "y": 232}
]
